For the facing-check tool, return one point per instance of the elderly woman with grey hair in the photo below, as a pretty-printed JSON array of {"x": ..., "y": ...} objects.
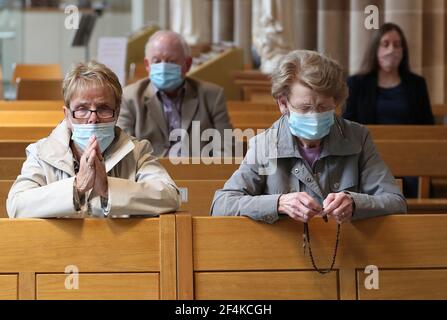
[
  {"x": 88, "y": 166},
  {"x": 310, "y": 162}
]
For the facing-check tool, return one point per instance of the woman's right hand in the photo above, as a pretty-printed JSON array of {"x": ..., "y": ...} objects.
[
  {"x": 299, "y": 206},
  {"x": 85, "y": 178}
]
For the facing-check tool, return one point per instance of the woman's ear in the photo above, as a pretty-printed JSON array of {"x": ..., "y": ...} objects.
[{"x": 282, "y": 104}]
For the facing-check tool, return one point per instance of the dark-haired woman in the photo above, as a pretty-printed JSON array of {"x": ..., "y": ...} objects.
[{"x": 386, "y": 91}]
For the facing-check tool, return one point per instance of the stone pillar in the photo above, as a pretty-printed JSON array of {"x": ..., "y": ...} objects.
[
  {"x": 222, "y": 20},
  {"x": 408, "y": 15},
  {"x": 192, "y": 19},
  {"x": 305, "y": 25},
  {"x": 360, "y": 36},
  {"x": 333, "y": 29},
  {"x": 434, "y": 44},
  {"x": 242, "y": 27}
]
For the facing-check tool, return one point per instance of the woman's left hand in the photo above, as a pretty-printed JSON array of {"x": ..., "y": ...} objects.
[{"x": 340, "y": 206}]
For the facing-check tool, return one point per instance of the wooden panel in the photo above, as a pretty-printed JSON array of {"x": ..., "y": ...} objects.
[
  {"x": 237, "y": 105},
  {"x": 247, "y": 120},
  {"x": 198, "y": 169},
  {"x": 93, "y": 245},
  {"x": 10, "y": 168},
  {"x": 414, "y": 158},
  {"x": 281, "y": 285},
  {"x": 44, "y": 118},
  {"x": 13, "y": 148},
  {"x": 39, "y": 89},
  {"x": 32, "y": 105},
  {"x": 123, "y": 286},
  {"x": 27, "y": 286},
  {"x": 185, "y": 282},
  {"x": 36, "y": 71},
  {"x": 8, "y": 287},
  {"x": 199, "y": 193},
  {"x": 408, "y": 132},
  {"x": 5, "y": 186},
  {"x": 238, "y": 243},
  {"x": 31, "y": 132},
  {"x": 406, "y": 284},
  {"x": 168, "y": 280},
  {"x": 219, "y": 70}
]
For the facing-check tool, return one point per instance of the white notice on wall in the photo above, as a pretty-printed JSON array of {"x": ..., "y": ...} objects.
[{"x": 112, "y": 53}]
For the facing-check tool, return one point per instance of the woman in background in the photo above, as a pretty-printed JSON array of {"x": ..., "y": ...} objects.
[{"x": 386, "y": 91}]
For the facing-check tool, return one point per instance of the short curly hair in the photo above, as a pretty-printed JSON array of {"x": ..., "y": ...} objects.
[
  {"x": 91, "y": 74},
  {"x": 314, "y": 70}
]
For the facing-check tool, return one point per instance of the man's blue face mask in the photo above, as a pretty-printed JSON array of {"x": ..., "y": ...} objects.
[
  {"x": 311, "y": 126},
  {"x": 166, "y": 76}
]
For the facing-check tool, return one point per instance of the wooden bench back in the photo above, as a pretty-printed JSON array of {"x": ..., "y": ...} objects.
[
  {"x": 238, "y": 258},
  {"x": 36, "y": 71},
  {"x": 30, "y": 89},
  {"x": 135, "y": 256}
]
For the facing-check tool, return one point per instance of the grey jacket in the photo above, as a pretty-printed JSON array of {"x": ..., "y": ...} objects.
[
  {"x": 142, "y": 114},
  {"x": 273, "y": 166}
]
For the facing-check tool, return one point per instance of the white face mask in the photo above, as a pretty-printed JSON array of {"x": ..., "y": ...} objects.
[{"x": 104, "y": 132}]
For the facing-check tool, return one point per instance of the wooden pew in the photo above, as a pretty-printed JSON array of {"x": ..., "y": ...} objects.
[
  {"x": 36, "y": 71},
  {"x": 32, "y": 105},
  {"x": 440, "y": 113},
  {"x": 25, "y": 132},
  {"x": 256, "y": 86},
  {"x": 30, "y": 89},
  {"x": 417, "y": 158},
  {"x": 237, "y": 258},
  {"x": 251, "y": 120},
  {"x": 5, "y": 186},
  {"x": 30, "y": 118},
  {"x": 132, "y": 258},
  {"x": 10, "y": 168}
]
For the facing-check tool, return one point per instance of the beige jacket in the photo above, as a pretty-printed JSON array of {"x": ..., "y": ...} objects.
[
  {"x": 142, "y": 115},
  {"x": 138, "y": 184}
]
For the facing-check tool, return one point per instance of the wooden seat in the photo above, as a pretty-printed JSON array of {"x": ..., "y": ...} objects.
[
  {"x": 256, "y": 86},
  {"x": 132, "y": 259},
  {"x": 237, "y": 258},
  {"x": 198, "y": 169},
  {"x": 32, "y": 105},
  {"x": 30, "y": 89},
  {"x": 36, "y": 72}
]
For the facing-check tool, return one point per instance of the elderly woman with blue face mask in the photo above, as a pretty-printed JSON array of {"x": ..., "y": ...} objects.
[
  {"x": 310, "y": 162},
  {"x": 88, "y": 166}
]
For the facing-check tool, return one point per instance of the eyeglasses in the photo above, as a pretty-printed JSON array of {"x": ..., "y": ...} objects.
[
  {"x": 309, "y": 108},
  {"x": 100, "y": 113}
]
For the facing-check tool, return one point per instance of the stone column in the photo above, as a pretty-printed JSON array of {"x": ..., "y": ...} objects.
[
  {"x": 360, "y": 36},
  {"x": 223, "y": 11},
  {"x": 192, "y": 19},
  {"x": 434, "y": 52},
  {"x": 242, "y": 27},
  {"x": 333, "y": 29},
  {"x": 305, "y": 25},
  {"x": 408, "y": 15}
]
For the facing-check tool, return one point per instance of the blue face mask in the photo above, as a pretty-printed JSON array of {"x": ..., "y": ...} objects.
[
  {"x": 104, "y": 132},
  {"x": 166, "y": 76},
  {"x": 311, "y": 126}
]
